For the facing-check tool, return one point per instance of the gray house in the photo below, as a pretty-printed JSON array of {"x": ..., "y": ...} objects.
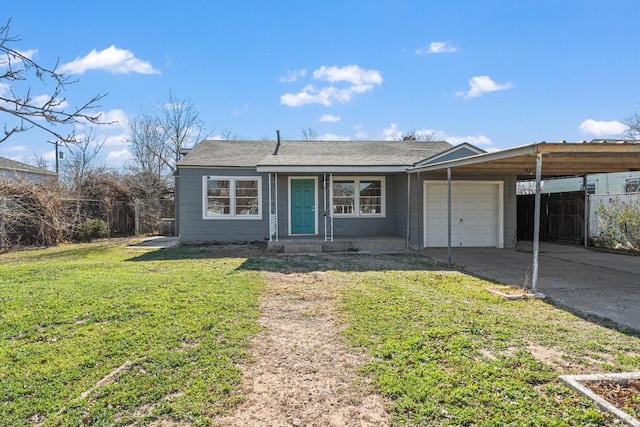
[
  {"x": 339, "y": 193},
  {"x": 11, "y": 169}
]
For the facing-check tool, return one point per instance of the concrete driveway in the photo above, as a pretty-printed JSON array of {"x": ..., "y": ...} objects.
[{"x": 596, "y": 283}]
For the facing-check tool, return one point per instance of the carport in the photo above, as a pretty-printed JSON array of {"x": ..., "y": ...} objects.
[{"x": 541, "y": 160}]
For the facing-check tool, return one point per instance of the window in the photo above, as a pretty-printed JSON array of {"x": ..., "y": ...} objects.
[
  {"x": 232, "y": 197},
  {"x": 632, "y": 185},
  {"x": 591, "y": 188},
  {"x": 358, "y": 196}
]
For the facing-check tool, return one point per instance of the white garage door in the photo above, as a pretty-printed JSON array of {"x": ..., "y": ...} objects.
[{"x": 476, "y": 214}]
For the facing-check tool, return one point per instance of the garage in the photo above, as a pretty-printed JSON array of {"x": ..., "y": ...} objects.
[{"x": 476, "y": 214}]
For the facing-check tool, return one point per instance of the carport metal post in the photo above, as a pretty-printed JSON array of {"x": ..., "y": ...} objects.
[
  {"x": 586, "y": 211},
  {"x": 536, "y": 226},
  {"x": 449, "y": 215}
]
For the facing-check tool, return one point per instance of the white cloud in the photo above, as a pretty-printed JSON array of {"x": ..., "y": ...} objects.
[
  {"x": 351, "y": 74},
  {"x": 41, "y": 100},
  {"x": 333, "y": 137},
  {"x": 118, "y": 158},
  {"x": 601, "y": 128},
  {"x": 437, "y": 47},
  {"x": 112, "y": 59},
  {"x": 324, "y": 96},
  {"x": 480, "y": 141},
  {"x": 358, "y": 80},
  {"x": 293, "y": 75},
  {"x": 329, "y": 118},
  {"x": 6, "y": 59},
  {"x": 17, "y": 149},
  {"x": 392, "y": 133},
  {"x": 483, "y": 84}
]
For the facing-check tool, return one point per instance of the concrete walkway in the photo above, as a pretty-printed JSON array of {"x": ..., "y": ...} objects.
[
  {"x": 596, "y": 283},
  {"x": 157, "y": 242}
]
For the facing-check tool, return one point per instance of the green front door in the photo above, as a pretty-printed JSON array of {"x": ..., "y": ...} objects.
[{"x": 303, "y": 209}]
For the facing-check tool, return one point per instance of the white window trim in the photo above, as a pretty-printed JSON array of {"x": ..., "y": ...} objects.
[
  {"x": 356, "y": 209},
  {"x": 232, "y": 190}
]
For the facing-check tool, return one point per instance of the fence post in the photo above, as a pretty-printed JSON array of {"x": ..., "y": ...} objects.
[{"x": 136, "y": 214}]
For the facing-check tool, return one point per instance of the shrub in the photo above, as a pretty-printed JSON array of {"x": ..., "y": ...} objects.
[
  {"x": 91, "y": 229},
  {"x": 618, "y": 224}
]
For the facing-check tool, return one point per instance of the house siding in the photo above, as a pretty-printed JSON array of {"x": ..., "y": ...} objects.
[
  {"x": 191, "y": 225},
  {"x": 606, "y": 183},
  {"x": 342, "y": 227}
]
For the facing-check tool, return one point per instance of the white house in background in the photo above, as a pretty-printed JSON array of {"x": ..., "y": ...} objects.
[
  {"x": 601, "y": 183},
  {"x": 11, "y": 169}
]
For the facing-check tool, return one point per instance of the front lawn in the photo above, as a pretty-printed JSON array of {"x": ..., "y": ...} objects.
[
  {"x": 447, "y": 352},
  {"x": 71, "y": 315},
  {"x": 441, "y": 348}
]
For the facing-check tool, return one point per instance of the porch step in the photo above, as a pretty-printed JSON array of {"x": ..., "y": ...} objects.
[
  {"x": 351, "y": 245},
  {"x": 302, "y": 248}
]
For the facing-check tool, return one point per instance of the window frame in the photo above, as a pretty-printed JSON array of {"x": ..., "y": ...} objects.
[
  {"x": 232, "y": 215},
  {"x": 357, "y": 195},
  {"x": 634, "y": 181}
]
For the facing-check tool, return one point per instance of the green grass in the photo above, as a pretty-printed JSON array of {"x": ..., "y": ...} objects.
[
  {"x": 449, "y": 353},
  {"x": 71, "y": 315},
  {"x": 443, "y": 349}
]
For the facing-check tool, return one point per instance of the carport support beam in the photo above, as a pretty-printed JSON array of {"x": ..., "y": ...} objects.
[
  {"x": 536, "y": 225},
  {"x": 449, "y": 216},
  {"x": 586, "y": 211}
]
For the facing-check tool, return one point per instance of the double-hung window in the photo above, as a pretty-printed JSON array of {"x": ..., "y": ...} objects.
[
  {"x": 358, "y": 196},
  {"x": 232, "y": 197}
]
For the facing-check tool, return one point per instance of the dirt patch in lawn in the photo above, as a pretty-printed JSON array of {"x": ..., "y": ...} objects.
[{"x": 302, "y": 373}]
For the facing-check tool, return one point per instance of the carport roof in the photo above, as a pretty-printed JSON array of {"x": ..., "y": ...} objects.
[{"x": 558, "y": 159}]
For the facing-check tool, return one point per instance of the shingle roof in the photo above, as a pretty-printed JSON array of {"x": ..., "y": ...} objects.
[
  {"x": 213, "y": 153},
  {"x": 311, "y": 153},
  {"x": 12, "y": 165}
]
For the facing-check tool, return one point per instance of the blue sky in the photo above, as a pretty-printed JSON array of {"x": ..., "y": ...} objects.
[{"x": 497, "y": 74}]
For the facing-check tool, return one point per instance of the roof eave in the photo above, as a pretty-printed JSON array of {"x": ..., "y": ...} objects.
[{"x": 331, "y": 169}]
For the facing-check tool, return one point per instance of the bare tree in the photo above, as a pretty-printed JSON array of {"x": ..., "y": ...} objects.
[
  {"x": 147, "y": 146},
  {"x": 81, "y": 159},
  {"x": 419, "y": 135},
  {"x": 28, "y": 111},
  {"x": 309, "y": 134},
  {"x": 633, "y": 126},
  {"x": 229, "y": 135},
  {"x": 157, "y": 140},
  {"x": 39, "y": 161},
  {"x": 181, "y": 127}
]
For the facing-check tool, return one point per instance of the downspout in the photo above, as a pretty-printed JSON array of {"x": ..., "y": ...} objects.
[
  {"x": 449, "y": 216},
  {"x": 408, "y": 208}
]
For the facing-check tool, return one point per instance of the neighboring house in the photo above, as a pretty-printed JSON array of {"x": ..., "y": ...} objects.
[
  {"x": 11, "y": 169},
  {"x": 337, "y": 190},
  {"x": 599, "y": 183}
]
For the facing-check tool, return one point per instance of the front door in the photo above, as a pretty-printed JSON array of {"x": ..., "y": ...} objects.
[{"x": 303, "y": 209}]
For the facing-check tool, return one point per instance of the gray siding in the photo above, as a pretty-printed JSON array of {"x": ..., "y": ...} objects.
[
  {"x": 193, "y": 228},
  {"x": 342, "y": 227}
]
